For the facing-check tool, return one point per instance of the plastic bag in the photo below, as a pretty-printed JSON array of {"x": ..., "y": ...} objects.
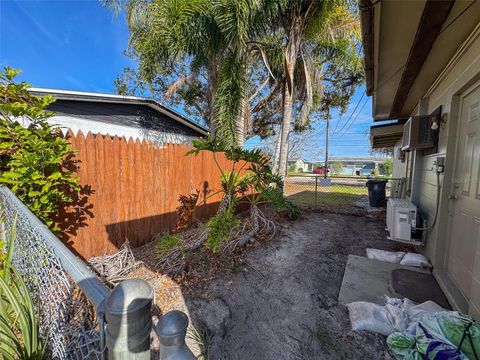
[
  {"x": 369, "y": 316},
  {"x": 383, "y": 255},
  {"x": 438, "y": 336},
  {"x": 403, "y": 346},
  {"x": 415, "y": 312},
  {"x": 413, "y": 259}
]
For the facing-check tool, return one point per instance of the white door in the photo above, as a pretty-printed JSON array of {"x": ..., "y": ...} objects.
[{"x": 464, "y": 252}]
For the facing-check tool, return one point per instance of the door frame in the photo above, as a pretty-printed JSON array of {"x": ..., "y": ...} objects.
[{"x": 442, "y": 251}]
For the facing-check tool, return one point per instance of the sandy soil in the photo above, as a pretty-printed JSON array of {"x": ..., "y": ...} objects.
[{"x": 280, "y": 301}]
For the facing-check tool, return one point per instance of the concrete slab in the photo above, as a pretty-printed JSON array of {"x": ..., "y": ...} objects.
[{"x": 369, "y": 280}]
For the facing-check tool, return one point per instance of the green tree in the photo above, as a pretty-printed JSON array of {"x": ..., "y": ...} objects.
[
  {"x": 225, "y": 61},
  {"x": 336, "y": 167},
  {"x": 196, "y": 53},
  {"x": 319, "y": 48},
  {"x": 32, "y": 151},
  {"x": 387, "y": 167}
]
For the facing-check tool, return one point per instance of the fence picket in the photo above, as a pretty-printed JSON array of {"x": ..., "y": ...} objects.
[{"x": 135, "y": 188}]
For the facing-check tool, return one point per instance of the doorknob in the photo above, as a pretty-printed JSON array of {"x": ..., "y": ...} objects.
[{"x": 453, "y": 197}]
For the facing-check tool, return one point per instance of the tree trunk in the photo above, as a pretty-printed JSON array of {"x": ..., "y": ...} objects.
[
  {"x": 241, "y": 123},
  {"x": 291, "y": 52},
  {"x": 326, "y": 147},
  {"x": 211, "y": 87},
  {"x": 286, "y": 124},
  {"x": 277, "y": 152}
]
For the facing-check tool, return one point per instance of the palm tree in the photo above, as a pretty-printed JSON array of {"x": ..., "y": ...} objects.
[
  {"x": 206, "y": 47},
  {"x": 318, "y": 34}
]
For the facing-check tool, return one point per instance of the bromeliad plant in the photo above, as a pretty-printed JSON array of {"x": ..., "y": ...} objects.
[
  {"x": 32, "y": 152},
  {"x": 249, "y": 179},
  {"x": 19, "y": 327}
]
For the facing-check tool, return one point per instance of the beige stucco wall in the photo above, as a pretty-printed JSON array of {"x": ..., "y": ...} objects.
[
  {"x": 462, "y": 73},
  {"x": 399, "y": 167}
]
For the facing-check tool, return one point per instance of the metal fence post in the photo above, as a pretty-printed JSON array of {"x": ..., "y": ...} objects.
[
  {"x": 129, "y": 320},
  {"x": 316, "y": 189},
  {"x": 171, "y": 330}
]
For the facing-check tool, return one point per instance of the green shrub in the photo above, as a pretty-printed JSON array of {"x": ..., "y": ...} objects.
[
  {"x": 33, "y": 158},
  {"x": 219, "y": 227},
  {"x": 375, "y": 172},
  {"x": 167, "y": 242},
  {"x": 19, "y": 327},
  {"x": 281, "y": 204},
  {"x": 387, "y": 167}
]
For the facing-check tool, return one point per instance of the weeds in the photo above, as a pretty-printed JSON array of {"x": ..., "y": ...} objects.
[
  {"x": 167, "y": 242},
  {"x": 219, "y": 227},
  {"x": 327, "y": 342}
]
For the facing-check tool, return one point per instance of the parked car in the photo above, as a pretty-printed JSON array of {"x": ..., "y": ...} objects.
[{"x": 320, "y": 171}]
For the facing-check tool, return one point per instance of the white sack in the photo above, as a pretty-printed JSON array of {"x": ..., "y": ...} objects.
[
  {"x": 383, "y": 255},
  {"x": 413, "y": 259},
  {"x": 369, "y": 316},
  {"x": 415, "y": 312}
]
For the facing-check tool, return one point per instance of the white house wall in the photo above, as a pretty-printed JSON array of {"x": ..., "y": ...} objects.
[
  {"x": 96, "y": 127},
  {"x": 462, "y": 74},
  {"x": 399, "y": 167}
]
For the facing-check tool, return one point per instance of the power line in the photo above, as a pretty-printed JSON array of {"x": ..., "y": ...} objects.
[
  {"x": 353, "y": 112},
  {"x": 366, "y": 100}
]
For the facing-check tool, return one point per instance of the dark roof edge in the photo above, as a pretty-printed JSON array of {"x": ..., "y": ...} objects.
[
  {"x": 366, "y": 19},
  {"x": 112, "y": 98}
]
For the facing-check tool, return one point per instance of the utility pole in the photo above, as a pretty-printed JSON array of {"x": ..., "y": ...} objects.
[{"x": 326, "y": 147}]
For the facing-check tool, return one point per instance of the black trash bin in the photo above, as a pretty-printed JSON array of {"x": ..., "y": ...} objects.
[{"x": 376, "y": 192}]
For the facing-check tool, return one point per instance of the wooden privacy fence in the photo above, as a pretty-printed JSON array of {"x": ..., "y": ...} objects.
[{"x": 130, "y": 190}]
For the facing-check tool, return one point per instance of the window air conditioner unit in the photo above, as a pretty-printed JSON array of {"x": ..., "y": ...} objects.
[
  {"x": 401, "y": 219},
  {"x": 418, "y": 133}
]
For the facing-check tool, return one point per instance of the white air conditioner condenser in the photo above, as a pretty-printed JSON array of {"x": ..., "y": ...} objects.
[{"x": 401, "y": 219}]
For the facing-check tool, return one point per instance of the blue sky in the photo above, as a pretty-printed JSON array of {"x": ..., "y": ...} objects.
[{"x": 79, "y": 45}]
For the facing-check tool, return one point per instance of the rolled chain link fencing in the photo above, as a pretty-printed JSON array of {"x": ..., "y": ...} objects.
[
  {"x": 335, "y": 192},
  {"x": 67, "y": 315}
]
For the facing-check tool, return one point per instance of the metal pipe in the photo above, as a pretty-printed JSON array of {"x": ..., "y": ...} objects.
[
  {"x": 129, "y": 320},
  {"x": 92, "y": 287},
  {"x": 171, "y": 330}
]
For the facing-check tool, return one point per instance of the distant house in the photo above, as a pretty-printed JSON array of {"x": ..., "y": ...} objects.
[
  {"x": 301, "y": 165},
  {"x": 129, "y": 116},
  {"x": 355, "y": 166},
  {"x": 349, "y": 166}
]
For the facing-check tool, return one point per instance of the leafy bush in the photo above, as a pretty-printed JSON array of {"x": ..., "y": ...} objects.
[
  {"x": 281, "y": 204},
  {"x": 167, "y": 242},
  {"x": 19, "y": 327},
  {"x": 375, "y": 172},
  {"x": 185, "y": 210},
  {"x": 32, "y": 157},
  {"x": 219, "y": 227},
  {"x": 251, "y": 175},
  {"x": 387, "y": 167}
]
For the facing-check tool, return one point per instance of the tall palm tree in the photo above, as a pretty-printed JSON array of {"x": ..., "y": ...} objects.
[
  {"x": 317, "y": 34},
  {"x": 209, "y": 43}
]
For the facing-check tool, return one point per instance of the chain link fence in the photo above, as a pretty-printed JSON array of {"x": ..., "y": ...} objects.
[
  {"x": 334, "y": 192},
  {"x": 68, "y": 294}
]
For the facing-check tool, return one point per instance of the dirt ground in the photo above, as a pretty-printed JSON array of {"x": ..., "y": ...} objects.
[{"x": 280, "y": 300}]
